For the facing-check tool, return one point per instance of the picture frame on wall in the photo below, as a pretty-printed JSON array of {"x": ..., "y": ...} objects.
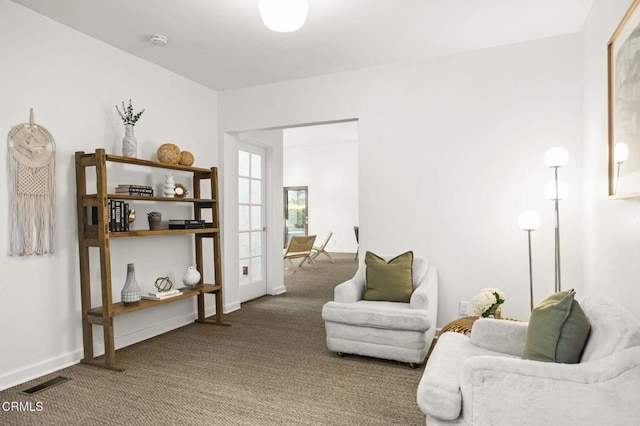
[{"x": 623, "y": 60}]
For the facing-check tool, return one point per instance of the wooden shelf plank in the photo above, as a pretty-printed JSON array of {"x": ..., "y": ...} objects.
[
  {"x": 147, "y": 233},
  {"x": 149, "y": 163},
  {"x": 120, "y": 308},
  {"x": 90, "y": 200}
]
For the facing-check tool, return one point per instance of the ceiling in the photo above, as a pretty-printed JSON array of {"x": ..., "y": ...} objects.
[{"x": 222, "y": 44}]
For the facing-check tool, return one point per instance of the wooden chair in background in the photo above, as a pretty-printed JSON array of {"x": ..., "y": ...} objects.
[
  {"x": 300, "y": 248},
  {"x": 316, "y": 251}
]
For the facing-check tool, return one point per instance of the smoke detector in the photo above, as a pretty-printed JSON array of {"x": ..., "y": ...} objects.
[{"x": 158, "y": 40}]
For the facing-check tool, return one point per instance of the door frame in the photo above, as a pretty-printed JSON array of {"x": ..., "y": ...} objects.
[{"x": 285, "y": 203}]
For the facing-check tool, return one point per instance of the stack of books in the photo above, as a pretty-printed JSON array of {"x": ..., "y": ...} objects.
[
  {"x": 189, "y": 224},
  {"x": 117, "y": 215},
  {"x": 160, "y": 295},
  {"x": 144, "y": 190}
]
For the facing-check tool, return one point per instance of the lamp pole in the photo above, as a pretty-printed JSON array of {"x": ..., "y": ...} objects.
[
  {"x": 558, "y": 286},
  {"x": 529, "y": 221}
]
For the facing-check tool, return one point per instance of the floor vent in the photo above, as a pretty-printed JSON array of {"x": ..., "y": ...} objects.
[{"x": 46, "y": 385}]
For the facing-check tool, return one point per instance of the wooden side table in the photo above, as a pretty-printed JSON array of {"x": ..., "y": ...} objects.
[{"x": 461, "y": 325}]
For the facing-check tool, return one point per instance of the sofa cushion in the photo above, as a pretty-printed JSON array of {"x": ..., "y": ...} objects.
[
  {"x": 558, "y": 330},
  {"x": 612, "y": 327},
  {"x": 387, "y": 315},
  {"x": 389, "y": 281}
]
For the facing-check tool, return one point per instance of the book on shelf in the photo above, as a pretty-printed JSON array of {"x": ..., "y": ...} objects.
[
  {"x": 164, "y": 293},
  {"x": 131, "y": 186},
  {"x": 145, "y": 190},
  {"x": 186, "y": 221},
  {"x": 154, "y": 295},
  {"x": 191, "y": 225}
]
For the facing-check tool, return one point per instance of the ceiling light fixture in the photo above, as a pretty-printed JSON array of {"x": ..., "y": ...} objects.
[
  {"x": 158, "y": 40},
  {"x": 283, "y": 16}
]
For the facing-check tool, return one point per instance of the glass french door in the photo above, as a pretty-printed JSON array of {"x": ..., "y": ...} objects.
[
  {"x": 296, "y": 207},
  {"x": 251, "y": 222}
]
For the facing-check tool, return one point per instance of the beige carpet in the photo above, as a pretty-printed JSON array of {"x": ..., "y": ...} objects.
[{"x": 271, "y": 367}]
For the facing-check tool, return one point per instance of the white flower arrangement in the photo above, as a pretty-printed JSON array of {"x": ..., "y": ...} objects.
[{"x": 488, "y": 301}]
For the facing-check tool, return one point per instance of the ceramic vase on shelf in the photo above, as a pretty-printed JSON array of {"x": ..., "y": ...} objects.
[
  {"x": 169, "y": 186},
  {"x": 129, "y": 142},
  {"x": 131, "y": 293},
  {"x": 191, "y": 277}
]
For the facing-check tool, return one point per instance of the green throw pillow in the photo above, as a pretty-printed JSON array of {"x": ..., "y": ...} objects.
[
  {"x": 558, "y": 330},
  {"x": 389, "y": 281}
]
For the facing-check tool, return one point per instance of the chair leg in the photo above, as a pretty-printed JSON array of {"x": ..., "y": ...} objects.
[
  {"x": 311, "y": 261},
  {"x": 329, "y": 255}
]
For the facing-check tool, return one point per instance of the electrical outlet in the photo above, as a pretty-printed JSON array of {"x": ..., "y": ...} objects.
[{"x": 464, "y": 308}]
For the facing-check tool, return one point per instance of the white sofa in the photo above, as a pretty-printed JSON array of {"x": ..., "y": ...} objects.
[
  {"x": 389, "y": 330},
  {"x": 481, "y": 379}
]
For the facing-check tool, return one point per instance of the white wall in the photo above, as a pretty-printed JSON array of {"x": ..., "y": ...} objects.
[
  {"x": 73, "y": 82},
  {"x": 330, "y": 171},
  {"x": 450, "y": 153},
  {"x": 612, "y": 227}
]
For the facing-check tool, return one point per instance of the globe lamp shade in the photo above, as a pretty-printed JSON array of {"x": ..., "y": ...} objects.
[
  {"x": 556, "y": 157},
  {"x": 529, "y": 221},
  {"x": 620, "y": 152}
]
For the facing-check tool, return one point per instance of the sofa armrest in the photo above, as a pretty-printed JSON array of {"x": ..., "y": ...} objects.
[
  {"x": 597, "y": 392},
  {"x": 502, "y": 336},
  {"x": 425, "y": 296},
  {"x": 352, "y": 290}
]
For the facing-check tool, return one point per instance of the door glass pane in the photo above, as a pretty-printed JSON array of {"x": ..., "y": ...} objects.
[
  {"x": 243, "y": 190},
  {"x": 256, "y": 243},
  {"x": 244, "y": 245},
  {"x": 296, "y": 214},
  {"x": 243, "y": 163},
  {"x": 243, "y": 219},
  {"x": 256, "y": 166},
  {"x": 256, "y": 191},
  {"x": 256, "y": 218}
]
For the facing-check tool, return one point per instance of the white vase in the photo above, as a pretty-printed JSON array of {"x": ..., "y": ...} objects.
[
  {"x": 169, "y": 186},
  {"x": 129, "y": 142},
  {"x": 131, "y": 293},
  {"x": 191, "y": 277}
]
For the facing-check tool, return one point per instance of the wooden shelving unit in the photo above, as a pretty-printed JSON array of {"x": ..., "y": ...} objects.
[{"x": 90, "y": 235}]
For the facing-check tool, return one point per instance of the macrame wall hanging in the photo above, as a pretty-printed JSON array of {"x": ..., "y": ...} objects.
[{"x": 32, "y": 161}]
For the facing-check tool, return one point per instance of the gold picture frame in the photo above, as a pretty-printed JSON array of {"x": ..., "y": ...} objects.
[{"x": 623, "y": 63}]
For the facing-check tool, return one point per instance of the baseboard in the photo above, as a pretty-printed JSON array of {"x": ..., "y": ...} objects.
[
  {"x": 278, "y": 290},
  {"x": 33, "y": 371}
]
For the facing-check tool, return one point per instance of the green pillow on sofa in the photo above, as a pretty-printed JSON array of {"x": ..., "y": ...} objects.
[
  {"x": 558, "y": 330},
  {"x": 389, "y": 281}
]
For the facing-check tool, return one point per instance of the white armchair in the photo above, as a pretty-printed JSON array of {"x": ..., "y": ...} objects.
[
  {"x": 389, "y": 330},
  {"x": 481, "y": 379}
]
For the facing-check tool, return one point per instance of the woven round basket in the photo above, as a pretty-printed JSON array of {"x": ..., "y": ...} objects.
[
  {"x": 186, "y": 158},
  {"x": 168, "y": 153}
]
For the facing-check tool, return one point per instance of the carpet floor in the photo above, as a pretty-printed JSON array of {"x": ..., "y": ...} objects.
[{"x": 271, "y": 367}]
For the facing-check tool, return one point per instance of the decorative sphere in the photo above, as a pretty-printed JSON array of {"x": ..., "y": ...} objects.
[
  {"x": 186, "y": 158},
  {"x": 169, "y": 153}
]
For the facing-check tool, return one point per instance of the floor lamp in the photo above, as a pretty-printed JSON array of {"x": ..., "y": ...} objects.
[
  {"x": 557, "y": 190},
  {"x": 529, "y": 221}
]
